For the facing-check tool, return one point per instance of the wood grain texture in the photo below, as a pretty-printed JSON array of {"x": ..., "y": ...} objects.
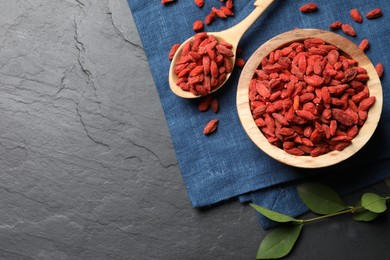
[{"x": 330, "y": 158}]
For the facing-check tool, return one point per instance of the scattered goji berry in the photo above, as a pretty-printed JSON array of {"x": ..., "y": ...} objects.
[
  {"x": 210, "y": 127},
  {"x": 355, "y": 15},
  {"x": 335, "y": 25},
  {"x": 240, "y": 62},
  {"x": 199, "y": 3},
  {"x": 227, "y": 11},
  {"x": 219, "y": 13},
  {"x": 379, "y": 69},
  {"x": 364, "y": 44},
  {"x": 198, "y": 25},
  {"x": 229, "y": 4},
  {"x": 308, "y": 8},
  {"x": 209, "y": 18},
  {"x": 214, "y": 105},
  {"x": 375, "y": 13},
  {"x": 348, "y": 29},
  {"x": 173, "y": 50},
  {"x": 205, "y": 103},
  {"x": 166, "y": 1}
]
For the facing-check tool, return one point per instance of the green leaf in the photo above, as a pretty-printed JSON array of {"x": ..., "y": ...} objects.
[
  {"x": 362, "y": 214},
  {"x": 279, "y": 242},
  {"x": 273, "y": 215},
  {"x": 387, "y": 181},
  {"x": 365, "y": 215},
  {"x": 373, "y": 202},
  {"x": 320, "y": 199}
]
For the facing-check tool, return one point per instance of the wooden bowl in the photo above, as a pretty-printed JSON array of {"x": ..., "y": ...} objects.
[{"x": 330, "y": 158}]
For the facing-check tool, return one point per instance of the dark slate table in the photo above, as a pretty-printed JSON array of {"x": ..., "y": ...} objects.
[{"x": 87, "y": 168}]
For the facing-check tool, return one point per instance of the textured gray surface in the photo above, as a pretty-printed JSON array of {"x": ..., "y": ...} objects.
[{"x": 87, "y": 168}]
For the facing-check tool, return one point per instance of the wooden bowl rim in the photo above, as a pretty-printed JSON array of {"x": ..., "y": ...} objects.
[{"x": 330, "y": 158}]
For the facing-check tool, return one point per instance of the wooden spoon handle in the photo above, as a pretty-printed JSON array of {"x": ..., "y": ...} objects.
[
  {"x": 236, "y": 32},
  {"x": 262, "y": 3}
]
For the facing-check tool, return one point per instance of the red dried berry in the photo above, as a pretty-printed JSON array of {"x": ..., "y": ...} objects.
[
  {"x": 379, "y": 69},
  {"x": 308, "y": 8},
  {"x": 348, "y": 29},
  {"x": 173, "y": 50},
  {"x": 355, "y": 15},
  {"x": 375, "y": 13},
  {"x": 214, "y": 105},
  {"x": 219, "y": 13},
  {"x": 209, "y": 18},
  {"x": 210, "y": 127},
  {"x": 205, "y": 103},
  {"x": 364, "y": 44},
  {"x": 198, "y": 25},
  {"x": 240, "y": 62},
  {"x": 199, "y": 3},
  {"x": 335, "y": 25},
  {"x": 167, "y": 1}
]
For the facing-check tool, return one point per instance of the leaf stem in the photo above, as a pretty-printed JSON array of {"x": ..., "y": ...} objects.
[{"x": 349, "y": 210}]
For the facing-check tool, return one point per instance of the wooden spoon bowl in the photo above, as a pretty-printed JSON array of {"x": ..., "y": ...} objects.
[
  {"x": 231, "y": 36},
  {"x": 330, "y": 158}
]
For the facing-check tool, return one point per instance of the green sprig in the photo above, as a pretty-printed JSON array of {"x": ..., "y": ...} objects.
[{"x": 322, "y": 200}]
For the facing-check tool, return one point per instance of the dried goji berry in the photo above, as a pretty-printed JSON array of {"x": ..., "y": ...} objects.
[
  {"x": 306, "y": 115},
  {"x": 379, "y": 69},
  {"x": 335, "y": 25},
  {"x": 263, "y": 90},
  {"x": 210, "y": 127},
  {"x": 342, "y": 117},
  {"x": 308, "y": 8},
  {"x": 281, "y": 119},
  {"x": 214, "y": 105},
  {"x": 209, "y": 18},
  {"x": 348, "y": 29},
  {"x": 314, "y": 80},
  {"x": 240, "y": 62},
  {"x": 167, "y": 1},
  {"x": 219, "y": 13},
  {"x": 366, "y": 103},
  {"x": 173, "y": 50},
  {"x": 214, "y": 69},
  {"x": 355, "y": 15},
  {"x": 353, "y": 131},
  {"x": 333, "y": 57},
  {"x": 197, "y": 26},
  {"x": 375, "y": 13},
  {"x": 205, "y": 103},
  {"x": 364, "y": 44},
  {"x": 229, "y": 4},
  {"x": 199, "y": 3},
  {"x": 227, "y": 11},
  {"x": 319, "y": 151}
]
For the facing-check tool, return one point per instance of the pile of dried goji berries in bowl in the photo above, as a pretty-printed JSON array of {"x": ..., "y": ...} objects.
[{"x": 309, "y": 98}]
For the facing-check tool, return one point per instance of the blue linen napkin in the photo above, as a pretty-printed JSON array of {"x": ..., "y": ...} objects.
[{"x": 227, "y": 164}]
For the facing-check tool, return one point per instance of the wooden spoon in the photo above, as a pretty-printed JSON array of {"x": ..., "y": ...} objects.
[{"x": 231, "y": 35}]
